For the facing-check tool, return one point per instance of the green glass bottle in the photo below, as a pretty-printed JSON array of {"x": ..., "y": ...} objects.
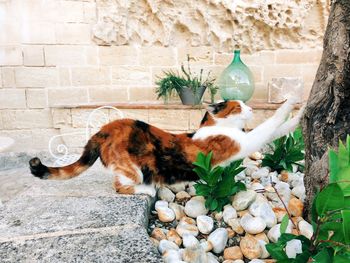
[{"x": 236, "y": 81}]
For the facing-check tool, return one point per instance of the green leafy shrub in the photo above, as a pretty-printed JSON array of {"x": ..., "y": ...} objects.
[
  {"x": 331, "y": 239},
  {"x": 287, "y": 150},
  {"x": 339, "y": 165},
  {"x": 217, "y": 184},
  {"x": 330, "y": 218}
]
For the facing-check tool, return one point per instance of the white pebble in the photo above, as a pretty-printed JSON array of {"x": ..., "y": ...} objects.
[
  {"x": 196, "y": 207},
  {"x": 256, "y": 186},
  {"x": 171, "y": 256},
  {"x": 240, "y": 176},
  {"x": 252, "y": 225},
  {"x": 243, "y": 199},
  {"x": 165, "y": 245},
  {"x": 260, "y": 173},
  {"x": 218, "y": 238},
  {"x": 206, "y": 246},
  {"x": 178, "y": 187},
  {"x": 205, "y": 224},
  {"x": 212, "y": 258},
  {"x": 182, "y": 196},
  {"x": 264, "y": 252},
  {"x": 189, "y": 240},
  {"x": 274, "y": 177},
  {"x": 160, "y": 203},
  {"x": 263, "y": 210},
  {"x": 284, "y": 191},
  {"x": 229, "y": 213},
  {"x": 250, "y": 169},
  {"x": 194, "y": 254},
  {"x": 186, "y": 226},
  {"x": 256, "y": 156},
  {"x": 165, "y": 214},
  {"x": 166, "y": 194},
  {"x": 299, "y": 191},
  {"x": 275, "y": 232},
  {"x": 191, "y": 190},
  {"x": 178, "y": 210},
  {"x": 293, "y": 247},
  {"x": 306, "y": 229},
  {"x": 236, "y": 225}
]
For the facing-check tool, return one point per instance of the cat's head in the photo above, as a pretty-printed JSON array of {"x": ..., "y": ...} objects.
[{"x": 232, "y": 113}]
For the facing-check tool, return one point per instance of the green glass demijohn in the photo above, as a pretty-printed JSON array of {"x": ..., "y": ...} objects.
[{"x": 236, "y": 81}]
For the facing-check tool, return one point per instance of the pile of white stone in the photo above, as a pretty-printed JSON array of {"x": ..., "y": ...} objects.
[{"x": 185, "y": 231}]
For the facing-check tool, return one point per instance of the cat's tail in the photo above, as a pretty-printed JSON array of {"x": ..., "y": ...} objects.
[{"x": 87, "y": 159}]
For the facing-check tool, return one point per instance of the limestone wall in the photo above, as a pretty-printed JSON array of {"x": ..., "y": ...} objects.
[{"x": 57, "y": 53}]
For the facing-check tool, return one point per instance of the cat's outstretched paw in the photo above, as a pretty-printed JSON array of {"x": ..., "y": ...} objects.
[
  {"x": 38, "y": 169},
  {"x": 291, "y": 101},
  {"x": 285, "y": 109}
]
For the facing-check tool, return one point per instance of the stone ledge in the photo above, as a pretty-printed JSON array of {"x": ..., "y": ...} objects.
[
  {"x": 81, "y": 219},
  {"x": 259, "y": 105},
  {"x": 121, "y": 244},
  {"x": 26, "y": 215}
]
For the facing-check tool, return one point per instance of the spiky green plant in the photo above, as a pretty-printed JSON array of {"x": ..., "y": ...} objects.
[{"x": 175, "y": 81}]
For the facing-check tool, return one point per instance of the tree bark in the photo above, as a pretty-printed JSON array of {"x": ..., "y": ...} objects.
[{"x": 327, "y": 115}]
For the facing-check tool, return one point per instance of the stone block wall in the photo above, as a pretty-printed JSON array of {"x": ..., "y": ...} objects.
[{"x": 56, "y": 55}]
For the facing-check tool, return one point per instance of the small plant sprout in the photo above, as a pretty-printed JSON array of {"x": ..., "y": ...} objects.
[
  {"x": 287, "y": 150},
  {"x": 216, "y": 184}
]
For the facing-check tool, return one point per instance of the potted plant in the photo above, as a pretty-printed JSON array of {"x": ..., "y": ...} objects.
[{"x": 189, "y": 87}]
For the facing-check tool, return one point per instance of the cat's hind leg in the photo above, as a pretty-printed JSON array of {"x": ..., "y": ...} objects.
[{"x": 129, "y": 180}]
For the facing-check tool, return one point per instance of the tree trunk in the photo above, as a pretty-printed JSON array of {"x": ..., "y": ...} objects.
[{"x": 327, "y": 115}]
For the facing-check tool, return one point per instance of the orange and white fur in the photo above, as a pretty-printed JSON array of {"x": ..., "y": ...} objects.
[{"x": 143, "y": 156}]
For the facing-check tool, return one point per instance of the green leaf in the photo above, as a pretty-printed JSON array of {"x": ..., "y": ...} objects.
[
  {"x": 298, "y": 134},
  {"x": 224, "y": 187},
  {"x": 221, "y": 203},
  {"x": 208, "y": 160},
  {"x": 202, "y": 173},
  {"x": 333, "y": 166},
  {"x": 211, "y": 204},
  {"x": 289, "y": 142},
  {"x": 346, "y": 225},
  {"x": 331, "y": 228},
  {"x": 330, "y": 198},
  {"x": 343, "y": 179},
  {"x": 238, "y": 186},
  {"x": 322, "y": 257},
  {"x": 341, "y": 258},
  {"x": 215, "y": 175},
  {"x": 284, "y": 224},
  {"x": 202, "y": 189},
  {"x": 276, "y": 251},
  {"x": 303, "y": 257},
  {"x": 200, "y": 161},
  {"x": 343, "y": 155}
]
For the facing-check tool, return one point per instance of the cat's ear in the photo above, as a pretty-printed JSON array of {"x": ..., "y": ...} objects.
[{"x": 216, "y": 107}]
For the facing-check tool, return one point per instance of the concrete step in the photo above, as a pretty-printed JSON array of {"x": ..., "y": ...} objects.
[
  {"x": 77, "y": 220},
  {"x": 127, "y": 244}
]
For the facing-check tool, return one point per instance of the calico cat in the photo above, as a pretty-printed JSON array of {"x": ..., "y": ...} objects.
[{"x": 142, "y": 156}]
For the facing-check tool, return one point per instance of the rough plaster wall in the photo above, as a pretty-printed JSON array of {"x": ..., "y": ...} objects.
[{"x": 251, "y": 25}]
